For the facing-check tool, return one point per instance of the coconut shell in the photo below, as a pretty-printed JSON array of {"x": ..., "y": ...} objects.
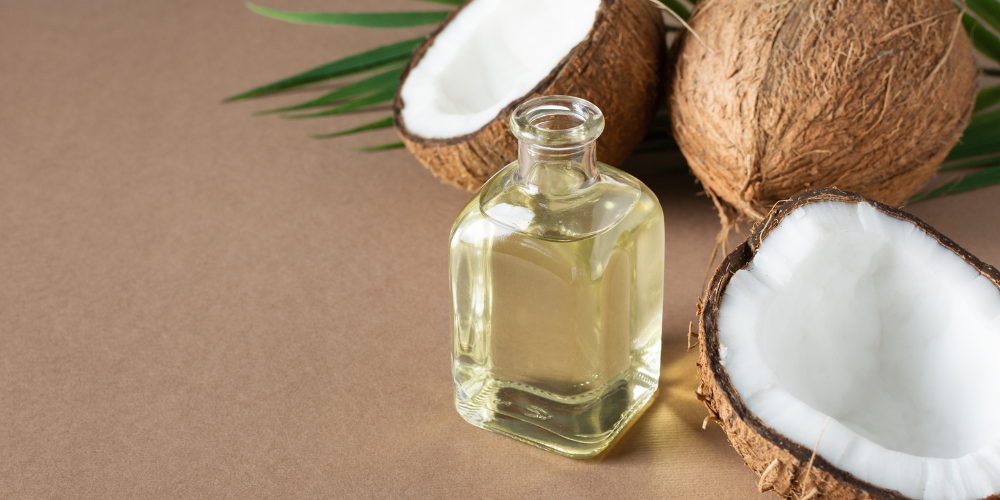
[
  {"x": 791, "y": 475},
  {"x": 619, "y": 67},
  {"x": 782, "y": 96}
]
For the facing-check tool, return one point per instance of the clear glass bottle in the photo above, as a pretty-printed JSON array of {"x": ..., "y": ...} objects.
[{"x": 556, "y": 269}]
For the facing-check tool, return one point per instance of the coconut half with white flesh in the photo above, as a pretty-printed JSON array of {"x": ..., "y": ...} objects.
[
  {"x": 849, "y": 350},
  {"x": 489, "y": 56}
]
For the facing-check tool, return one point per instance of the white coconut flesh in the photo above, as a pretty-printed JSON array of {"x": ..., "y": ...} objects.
[
  {"x": 492, "y": 53},
  {"x": 863, "y": 323}
]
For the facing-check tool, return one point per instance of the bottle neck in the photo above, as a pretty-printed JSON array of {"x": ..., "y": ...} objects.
[
  {"x": 557, "y": 138},
  {"x": 556, "y": 170}
]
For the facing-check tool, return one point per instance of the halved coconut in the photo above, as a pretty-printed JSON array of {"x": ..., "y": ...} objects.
[
  {"x": 489, "y": 56},
  {"x": 848, "y": 327}
]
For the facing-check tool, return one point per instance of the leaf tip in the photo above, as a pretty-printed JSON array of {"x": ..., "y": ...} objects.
[{"x": 240, "y": 96}]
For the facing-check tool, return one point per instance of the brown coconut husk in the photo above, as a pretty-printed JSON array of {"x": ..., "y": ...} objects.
[
  {"x": 619, "y": 67},
  {"x": 792, "y": 470},
  {"x": 783, "y": 96}
]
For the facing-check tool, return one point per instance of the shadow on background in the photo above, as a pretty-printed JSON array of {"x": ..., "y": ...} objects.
[
  {"x": 671, "y": 424},
  {"x": 666, "y": 173}
]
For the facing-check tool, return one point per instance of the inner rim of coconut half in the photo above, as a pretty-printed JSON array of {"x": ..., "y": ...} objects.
[
  {"x": 492, "y": 53},
  {"x": 848, "y": 313}
]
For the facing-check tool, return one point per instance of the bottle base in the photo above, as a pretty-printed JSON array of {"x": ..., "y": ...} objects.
[{"x": 577, "y": 427}]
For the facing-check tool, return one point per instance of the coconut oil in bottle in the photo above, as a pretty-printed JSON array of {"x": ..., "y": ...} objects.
[{"x": 556, "y": 269}]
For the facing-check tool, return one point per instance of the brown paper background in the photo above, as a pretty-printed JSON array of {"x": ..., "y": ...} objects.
[{"x": 197, "y": 303}]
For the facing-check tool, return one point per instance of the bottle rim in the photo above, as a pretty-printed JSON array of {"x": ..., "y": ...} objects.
[{"x": 527, "y": 121}]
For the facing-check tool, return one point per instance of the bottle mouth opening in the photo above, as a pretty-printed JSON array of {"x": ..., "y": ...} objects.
[{"x": 557, "y": 121}]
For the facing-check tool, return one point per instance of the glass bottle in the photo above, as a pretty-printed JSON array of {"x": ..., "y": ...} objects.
[{"x": 556, "y": 269}]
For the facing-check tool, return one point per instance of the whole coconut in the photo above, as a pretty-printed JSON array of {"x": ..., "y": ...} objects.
[{"x": 774, "y": 97}]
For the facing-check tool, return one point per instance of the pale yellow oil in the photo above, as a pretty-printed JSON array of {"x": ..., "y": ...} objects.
[{"x": 557, "y": 307}]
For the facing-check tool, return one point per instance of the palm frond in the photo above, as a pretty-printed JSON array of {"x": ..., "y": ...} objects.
[
  {"x": 378, "y": 97},
  {"x": 363, "y": 19},
  {"x": 375, "y": 125},
  {"x": 381, "y": 147},
  {"x": 365, "y": 61},
  {"x": 982, "y": 178},
  {"x": 379, "y": 81}
]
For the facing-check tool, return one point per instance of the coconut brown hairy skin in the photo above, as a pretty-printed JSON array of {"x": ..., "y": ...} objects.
[
  {"x": 619, "y": 67},
  {"x": 783, "y": 96},
  {"x": 788, "y": 468}
]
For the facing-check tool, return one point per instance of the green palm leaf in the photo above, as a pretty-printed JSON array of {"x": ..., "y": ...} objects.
[
  {"x": 380, "y": 96},
  {"x": 987, "y": 97},
  {"x": 982, "y": 178},
  {"x": 982, "y": 39},
  {"x": 987, "y": 10},
  {"x": 978, "y": 162},
  {"x": 377, "y": 82},
  {"x": 678, "y": 8},
  {"x": 369, "y": 60},
  {"x": 375, "y": 125},
  {"x": 981, "y": 137},
  {"x": 363, "y": 19},
  {"x": 380, "y": 147}
]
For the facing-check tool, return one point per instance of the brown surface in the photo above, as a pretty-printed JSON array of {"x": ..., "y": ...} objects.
[{"x": 195, "y": 303}]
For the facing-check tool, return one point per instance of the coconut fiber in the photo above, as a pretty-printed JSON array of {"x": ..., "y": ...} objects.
[{"x": 772, "y": 98}]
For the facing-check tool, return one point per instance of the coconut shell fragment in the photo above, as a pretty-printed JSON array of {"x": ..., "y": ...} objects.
[
  {"x": 619, "y": 66},
  {"x": 776, "y": 97},
  {"x": 789, "y": 468}
]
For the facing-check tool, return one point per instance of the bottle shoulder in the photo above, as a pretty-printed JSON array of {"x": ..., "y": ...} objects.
[{"x": 615, "y": 198}]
